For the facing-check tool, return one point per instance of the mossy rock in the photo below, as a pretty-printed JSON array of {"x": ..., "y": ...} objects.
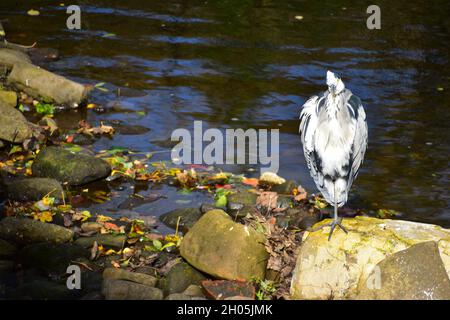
[
  {"x": 34, "y": 189},
  {"x": 333, "y": 269},
  {"x": 224, "y": 249},
  {"x": 8, "y": 97},
  {"x": 188, "y": 217},
  {"x": 13, "y": 125},
  {"x": 50, "y": 257},
  {"x": 416, "y": 273},
  {"x": 114, "y": 289},
  {"x": 25, "y": 230},
  {"x": 121, "y": 274},
  {"x": 106, "y": 240},
  {"x": 66, "y": 166},
  {"x": 179, "y": 278}
]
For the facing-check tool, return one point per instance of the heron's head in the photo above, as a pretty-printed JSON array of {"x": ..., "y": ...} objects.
[{"x": 334, "y": 83}]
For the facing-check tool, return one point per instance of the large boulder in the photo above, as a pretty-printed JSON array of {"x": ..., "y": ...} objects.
[
  {"x": 25, "y": 230},
  {"x": 416, "y": 273},
  {"x": 13, "y": 125},
  {"x": 335, "y": 269},
  {"x": 33, "y": 189},
  {"x": 66, "y": 166},
  {"x": 224, "y": 249}
]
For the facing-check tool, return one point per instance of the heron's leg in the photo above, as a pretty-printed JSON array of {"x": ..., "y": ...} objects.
[{"x": 336, "y": 220}]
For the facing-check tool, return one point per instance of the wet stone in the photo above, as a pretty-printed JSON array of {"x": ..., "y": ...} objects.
[
  {"x": 34, "y": 189},
  {"x": 179, "y": 278},
  {"x": 188, "y": 217},
  {"x": 24, "y": 230}
]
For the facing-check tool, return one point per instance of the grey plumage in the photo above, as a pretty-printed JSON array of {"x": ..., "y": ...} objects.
[{"x": 334, "y": 135}]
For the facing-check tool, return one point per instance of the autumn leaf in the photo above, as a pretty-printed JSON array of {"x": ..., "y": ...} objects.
[
  {"x": 45, "y": 216},
  {"x": 102, "y": 218},
  {"x": 267, "y": 199},
  {"x": 300, "y": 194},
  {"x": 250, "y": 181}
]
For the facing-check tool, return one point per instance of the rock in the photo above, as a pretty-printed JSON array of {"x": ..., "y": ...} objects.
[
  {"x": 271, "y": 178},
  {"x": 179, "y": 278},
  {"x": 9, "y": 98},
  {"x": 238, "y": 298},
  {"x": 285, "y": 188},
  {"x": 65, "y": 166},
  {"x": 178, "y": 296},
  {"x": 40, "y": 55},
  {"x": 24, "y": 230},
  {"x": 224, "y": 249},
  {"x": 91, "y": 227},
  {"x": 285, "y": 201},
  {"x": 106, "y": 240},
  {"x": 34, "y": 189},
  {"x": 326, "y": 269},
  {"x": 95, "y": 295},
  {"x": 13, "y": 125},
  {"x": 45, "y": 85},
  {"x": 43, "y": 290},
  {"x": 416, "y": 273},
  {"x": 205, "y": 207},
  {"x": 241, "y": 203},
  {"x": 9, "y": 57},
  {"x": 299, "y": 217},
  {"x": 222, "y": 289},
  {"x": 126, "y": 290},
  {"x": 7, "y": 249},
  {"x": 194, "y": 291},
  {"x": 51, "y": 257},
  {"x": 188, "y": 217},
  {"x": 120, "y": 274}
]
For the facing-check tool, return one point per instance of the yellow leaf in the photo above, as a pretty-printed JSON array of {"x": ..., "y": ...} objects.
[
  {"x": 102, "y": 218},
  {"x": 33, "y": 12}
]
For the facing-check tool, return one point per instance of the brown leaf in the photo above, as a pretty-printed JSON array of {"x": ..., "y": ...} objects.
[
  {"x": 301, "y": 194},
  {"x": 267, "y": 199},
  {"x": 94, "y": 250}
]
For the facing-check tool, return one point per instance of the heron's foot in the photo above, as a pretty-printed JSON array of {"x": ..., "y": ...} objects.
[{"x": 333, "y": 224}]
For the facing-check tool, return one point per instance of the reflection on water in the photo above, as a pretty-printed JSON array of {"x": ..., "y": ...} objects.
[{"x": 254, "y": 63}]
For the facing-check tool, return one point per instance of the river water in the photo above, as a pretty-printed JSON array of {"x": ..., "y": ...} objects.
[{"x": 252, "y": 64}]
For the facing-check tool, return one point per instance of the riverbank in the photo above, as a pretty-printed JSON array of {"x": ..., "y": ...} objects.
[{"x": 248, "y": 241}]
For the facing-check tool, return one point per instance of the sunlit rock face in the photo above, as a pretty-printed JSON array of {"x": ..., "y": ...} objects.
[{"x": 348, "y": 266}]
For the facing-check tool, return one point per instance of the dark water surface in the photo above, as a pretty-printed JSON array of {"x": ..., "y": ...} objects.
[{"x": 251, "y": 64}]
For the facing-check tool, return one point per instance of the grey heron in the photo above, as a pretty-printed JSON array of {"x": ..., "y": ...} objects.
[{"x": 334, "y": 135}]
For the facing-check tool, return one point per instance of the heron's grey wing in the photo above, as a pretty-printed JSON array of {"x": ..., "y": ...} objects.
[
  {"x": 308, "y": 125},
  {"x": 360, "y": 140}
]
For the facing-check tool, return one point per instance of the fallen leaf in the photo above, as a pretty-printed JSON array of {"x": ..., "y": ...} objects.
[
  {"x": 267, "y": 199},
  {"x": 251, "y": 181},
  {"x": 33, "y": 12}
]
